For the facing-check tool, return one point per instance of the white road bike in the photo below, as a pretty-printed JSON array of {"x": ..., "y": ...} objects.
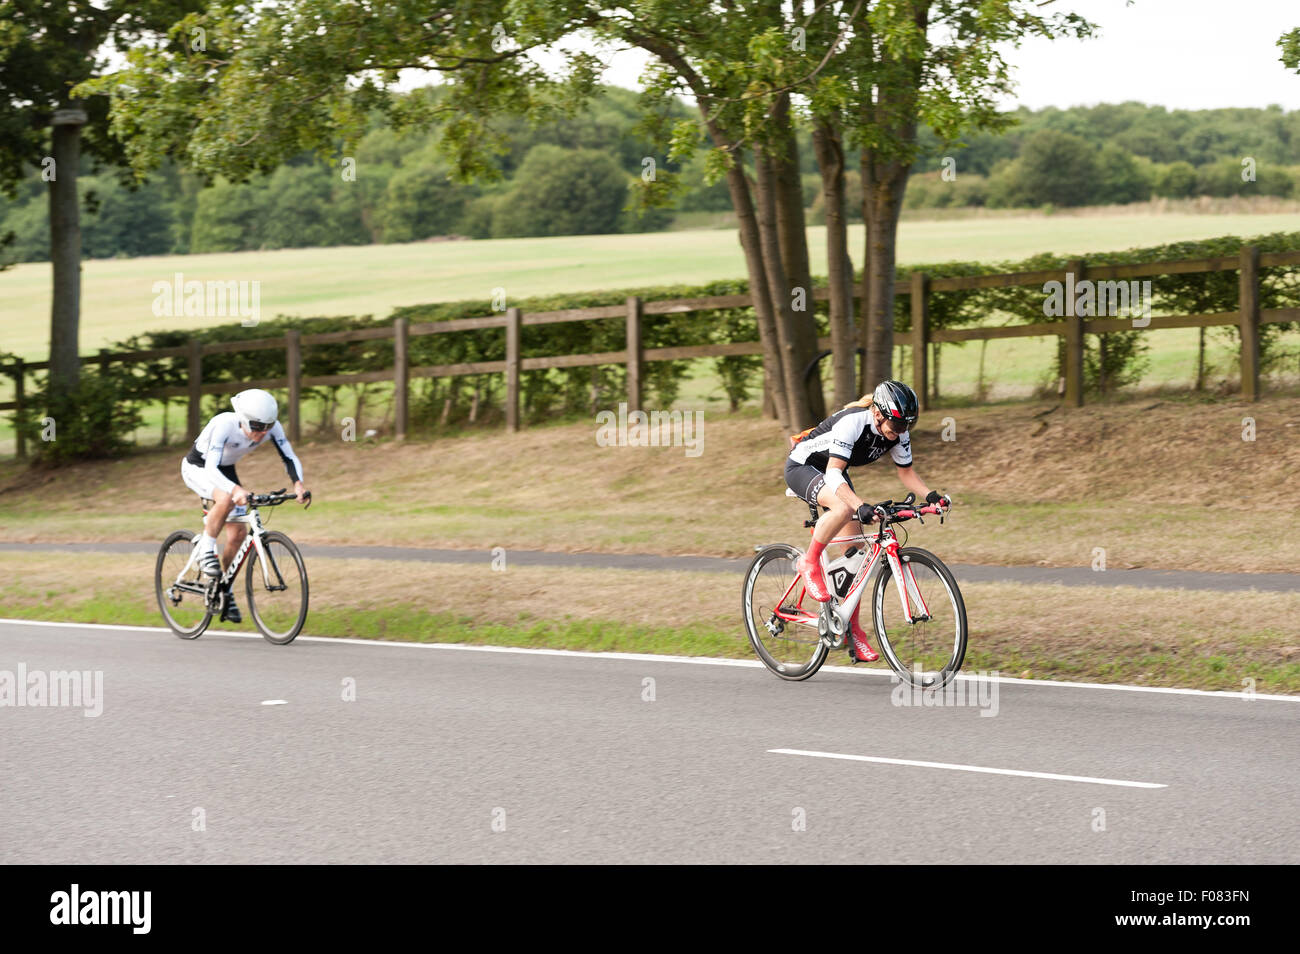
[{"x": 276, "y": 581}]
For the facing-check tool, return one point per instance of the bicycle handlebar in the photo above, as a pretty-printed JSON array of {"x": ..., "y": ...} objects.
[
  {"x": 275, "y": 499},
  {"x": 905, "y": 509}
]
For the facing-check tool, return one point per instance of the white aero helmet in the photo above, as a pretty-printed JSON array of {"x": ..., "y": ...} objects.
[{"x": 255, "y": 407}]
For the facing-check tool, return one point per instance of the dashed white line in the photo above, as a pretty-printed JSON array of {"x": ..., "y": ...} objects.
[{"x": 970, "y": 768}]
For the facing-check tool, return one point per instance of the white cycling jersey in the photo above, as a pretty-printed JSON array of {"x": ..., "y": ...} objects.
[{"x": 221, "y": 444}]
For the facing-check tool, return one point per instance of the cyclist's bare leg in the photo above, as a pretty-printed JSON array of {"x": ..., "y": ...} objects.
[
  {"x": 235, "y": 533},
  {"x": 217, "y": 513},
  {"x": 837, "y": 521}
]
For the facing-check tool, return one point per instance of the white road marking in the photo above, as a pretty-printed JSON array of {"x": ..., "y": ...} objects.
[
  {"x": 970, "y": 768},
  {"x": 654, "y": 657},
  {"x": 274, "y": 702}
]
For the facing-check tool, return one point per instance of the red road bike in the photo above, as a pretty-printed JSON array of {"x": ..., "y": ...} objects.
[{"x": 921, "y": 635}]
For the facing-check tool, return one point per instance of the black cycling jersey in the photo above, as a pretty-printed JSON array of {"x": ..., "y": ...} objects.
[{"x": 851, "y": 435}]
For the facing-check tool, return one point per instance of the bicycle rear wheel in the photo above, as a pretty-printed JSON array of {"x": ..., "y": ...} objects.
[
  {"x": 780, "y": 618},
  {"x": 927, "y": 652},
  {"x": 181, "y": 598},
  {"x": 277, "y": 589}
]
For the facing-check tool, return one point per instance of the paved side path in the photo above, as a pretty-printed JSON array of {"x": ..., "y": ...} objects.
[{"x": 965, "y": 572}]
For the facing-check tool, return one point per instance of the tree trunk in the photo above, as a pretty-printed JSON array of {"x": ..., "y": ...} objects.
[
  {"x": 883, "y": 184},
  {"x": 830, "y": 160},
  {"x": 792, "y": 229},
  {"x": 892, "y": 111},
  {"x": 750, "y": 242},
  {"x": 800, "y": 414},
  {"x": 65, "y": 258}
]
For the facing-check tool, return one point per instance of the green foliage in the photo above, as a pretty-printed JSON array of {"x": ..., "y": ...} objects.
[
  {"x": 1289, "y": 43},
  {"x": 92, "y": 421},
  {"x": 1227, "y": 177},
  {"x": 421, "y": 202},
  {"x": 562, "y": 192},
  {"x": 1177, "y": 180}
]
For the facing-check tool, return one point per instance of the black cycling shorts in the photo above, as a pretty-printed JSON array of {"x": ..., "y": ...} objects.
[{"x": 806, "y": 480}]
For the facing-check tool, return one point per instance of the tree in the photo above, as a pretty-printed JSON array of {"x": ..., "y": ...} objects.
[
  {"x": 125, "y": 221},
  {"x": 421, "y": 202},
  {"x": 1289, "y": 43},
  {"x": 303, "y": 74},
  {"x": 45, "y": 50},
  {"x": 1058, "y": 168},
  {"x": 909, "y": 64},
  {"x": 1175, "y": 181},
  {"x": 226, "y": 219},
  {"x": 1120, "y": 177},
  {"x": 562, "y": 192}
]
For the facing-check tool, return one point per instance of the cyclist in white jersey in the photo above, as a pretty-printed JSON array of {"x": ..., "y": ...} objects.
[
  {"x": 857, "y": 434},
  {"x": 209, "y": 470}
]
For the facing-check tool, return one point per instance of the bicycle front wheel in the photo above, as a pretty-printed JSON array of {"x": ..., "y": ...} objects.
[
  {"x": 928, "y": 650},
  {"x": 277, "y": 589},
  {"x": 181, "y": 586},
  {"x": 780, "y": 618}
]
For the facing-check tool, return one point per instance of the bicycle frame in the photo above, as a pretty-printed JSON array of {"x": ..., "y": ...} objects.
[
  {"x": 252, "y": 539},
  {"x": 905, "y": 582}
]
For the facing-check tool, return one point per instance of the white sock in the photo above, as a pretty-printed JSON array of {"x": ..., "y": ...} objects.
[{"x": 207, "y": 544}]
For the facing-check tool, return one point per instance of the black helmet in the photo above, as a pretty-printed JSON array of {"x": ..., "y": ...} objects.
[{"x": 898, "y": 403}]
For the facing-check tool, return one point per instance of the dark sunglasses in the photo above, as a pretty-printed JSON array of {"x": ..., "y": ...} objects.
[
  {"x": 896, "y": 424},
  {"x": 258, "y": 426}
]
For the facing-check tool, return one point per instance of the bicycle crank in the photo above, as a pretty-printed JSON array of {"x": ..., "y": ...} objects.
[
  {"x": 216, "y": 597},
  {"x": 831, "y": 626}
]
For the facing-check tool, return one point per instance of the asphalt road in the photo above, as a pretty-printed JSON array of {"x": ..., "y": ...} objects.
[
  {"x": 965, "y": 572},
  {"x": 568, "y": 755}
]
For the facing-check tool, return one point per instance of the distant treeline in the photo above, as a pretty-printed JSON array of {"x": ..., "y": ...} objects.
[{"x": 575, "y": 176}]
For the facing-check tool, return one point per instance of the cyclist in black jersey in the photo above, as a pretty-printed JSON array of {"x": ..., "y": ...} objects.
[{"x": 858, "y": 434}]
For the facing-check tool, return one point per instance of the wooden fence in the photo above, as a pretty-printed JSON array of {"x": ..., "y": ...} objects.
[{"x": 1248, "y": 317}]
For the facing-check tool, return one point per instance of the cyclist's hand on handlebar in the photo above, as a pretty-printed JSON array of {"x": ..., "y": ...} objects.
[
  {"x": 239, "y": 496},
  {"x": 302, "y": 493},
  {"x": 866, "y": 515},
  {"x": 943, "y": 500}
]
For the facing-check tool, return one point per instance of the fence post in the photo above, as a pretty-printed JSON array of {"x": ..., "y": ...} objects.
[
  {"x": 20, "y": 438},
  {"x": 513, "y": 326},
  {"x": 1248, "y": 292},
  {"x": 103, "y": 362},
  {"x": 635, "y": 354},
  {"x": 920, "y": 336},
  {"x": 1073, "y": 339},
  {"x": 401, "y": 378},
  {"x": 196, "y": 386},
  {"x": 293, "y": 366}
]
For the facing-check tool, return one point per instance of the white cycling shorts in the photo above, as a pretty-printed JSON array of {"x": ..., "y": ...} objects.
[{"x": 198, "y": 480}]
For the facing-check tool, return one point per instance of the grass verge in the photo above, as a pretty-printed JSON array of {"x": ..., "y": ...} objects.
[{"x": 1190, "y": 639}]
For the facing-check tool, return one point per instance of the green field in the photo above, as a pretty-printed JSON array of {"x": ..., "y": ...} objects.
[{"x": 373, "y": 279}]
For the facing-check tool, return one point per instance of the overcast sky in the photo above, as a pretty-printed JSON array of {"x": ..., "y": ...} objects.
[{"x": 1183, "y": 54}]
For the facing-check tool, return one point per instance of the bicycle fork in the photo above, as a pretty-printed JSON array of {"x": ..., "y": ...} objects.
[{"x": 905, "y": 584}]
